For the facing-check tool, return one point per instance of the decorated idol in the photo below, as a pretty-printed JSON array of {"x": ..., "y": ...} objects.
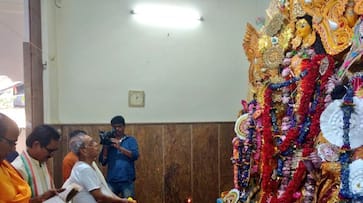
[{"x": 300, "y": 138}]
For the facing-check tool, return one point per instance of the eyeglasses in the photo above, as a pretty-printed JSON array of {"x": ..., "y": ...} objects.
[
  {"x": 10, "y": 142},
  {"x": 50, "y": 151}
]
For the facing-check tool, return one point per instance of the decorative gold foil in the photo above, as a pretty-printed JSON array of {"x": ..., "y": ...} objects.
[
  {"x": 285, "y": 37},
  {"x": 358, "y": 7},
  {"x": 275, "y": 25},
  {"x": 296, "y": 10},
  {"x": 349, "y": 14},
  {"x": 250, "y": 46},
  {"x": 273, "y": 56}
]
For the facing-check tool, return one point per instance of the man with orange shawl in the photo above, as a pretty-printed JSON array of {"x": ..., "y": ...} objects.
[{"x": 13, "y": 189}]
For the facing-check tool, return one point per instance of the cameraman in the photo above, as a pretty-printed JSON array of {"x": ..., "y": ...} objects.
[{"x": 119, "y": 155}]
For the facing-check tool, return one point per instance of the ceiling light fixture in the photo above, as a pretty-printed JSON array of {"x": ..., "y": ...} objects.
[{"x": 166, "y": 16}]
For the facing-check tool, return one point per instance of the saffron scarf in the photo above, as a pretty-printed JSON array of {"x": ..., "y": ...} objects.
[{"x": 13, "y": 189}]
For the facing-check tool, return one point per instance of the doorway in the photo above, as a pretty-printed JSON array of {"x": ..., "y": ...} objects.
[
  {"x": 21, "y": 64},
  {"x": 12, "y": 90}
]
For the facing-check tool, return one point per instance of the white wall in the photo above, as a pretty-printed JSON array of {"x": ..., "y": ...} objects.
[{"x": 96, "y": 52}]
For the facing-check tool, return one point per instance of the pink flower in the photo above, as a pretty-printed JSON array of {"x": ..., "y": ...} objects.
[
  {"x": 285, "y": 72},
  {"x": 286, "y": 61},
  {"x": 297, "y": 195}
]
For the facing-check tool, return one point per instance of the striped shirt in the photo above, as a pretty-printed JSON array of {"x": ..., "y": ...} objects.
[{"x": 35, "y": 173}]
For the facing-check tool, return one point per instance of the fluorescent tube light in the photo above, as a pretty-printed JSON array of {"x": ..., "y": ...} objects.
[{"x": 166, "y": 16}]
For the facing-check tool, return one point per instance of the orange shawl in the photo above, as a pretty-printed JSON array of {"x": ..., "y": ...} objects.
[{"x": 13, "y": 189}]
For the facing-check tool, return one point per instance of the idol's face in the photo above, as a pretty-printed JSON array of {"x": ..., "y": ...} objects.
[{"x": 303, "y": 28}]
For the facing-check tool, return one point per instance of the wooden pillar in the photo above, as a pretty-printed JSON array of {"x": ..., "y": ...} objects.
[{"x": 33, "y": 67}]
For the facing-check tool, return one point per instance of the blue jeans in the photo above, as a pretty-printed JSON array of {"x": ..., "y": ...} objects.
[{"x": 123, "y": 189}]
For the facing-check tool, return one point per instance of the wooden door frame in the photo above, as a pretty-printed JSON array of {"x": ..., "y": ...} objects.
[{"x": 33, "y": 67}]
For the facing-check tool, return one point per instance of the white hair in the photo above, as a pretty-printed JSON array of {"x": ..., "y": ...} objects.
[{"x": 76, "y": 143}]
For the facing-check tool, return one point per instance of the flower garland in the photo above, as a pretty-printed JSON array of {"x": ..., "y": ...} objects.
[
  {"x": 244, "y": 169},
  {"x": 248, "y": 152},
  {"x": 345, "y": 157},
  {"x": 267, "y": 149},
  {"x": 315, "y": 118},
  {"x": 308, "y": 89},
  {"x": 314, "y": 128},
  {"x": 307, "y": 86},
  {"x": 236, "y": 142},
  {"x": 256, "y": 112},
  {"x": 270, "y": 186},
  {"x": 245, "y": 154}
]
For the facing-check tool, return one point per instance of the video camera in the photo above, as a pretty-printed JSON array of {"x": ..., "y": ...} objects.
[{"x": 105, "y": 137}]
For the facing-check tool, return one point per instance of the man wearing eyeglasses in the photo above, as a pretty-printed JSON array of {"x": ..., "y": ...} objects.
[
  {"x": 12, "y": 187},
  {"x": 41, "y": 144}
]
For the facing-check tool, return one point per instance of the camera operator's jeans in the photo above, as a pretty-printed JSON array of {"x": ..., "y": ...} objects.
[{"x": 123, "y": 189}]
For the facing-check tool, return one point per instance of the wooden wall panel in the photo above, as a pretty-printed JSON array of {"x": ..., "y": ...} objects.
[
  {"x": 177, "y": 162},
  {"x": 205, "y": 162},
  {"x": 226, "y": 134},
  {"x": 149, "y": 166}
]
